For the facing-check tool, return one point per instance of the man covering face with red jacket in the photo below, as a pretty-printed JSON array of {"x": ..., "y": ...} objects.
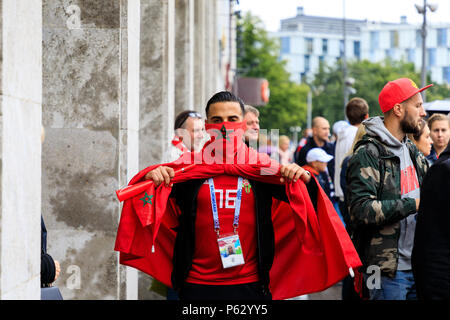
[{"x": 236, "y": 225}]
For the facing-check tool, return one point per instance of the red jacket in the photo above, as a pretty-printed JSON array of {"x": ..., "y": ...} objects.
[{"x": 312, "y": 249}]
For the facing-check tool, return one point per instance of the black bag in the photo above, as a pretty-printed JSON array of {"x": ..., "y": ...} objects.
[{"x": 51, "y": 293}]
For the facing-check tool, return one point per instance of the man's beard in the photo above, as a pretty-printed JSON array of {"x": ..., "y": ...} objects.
[{"x": 408, "y": 126}]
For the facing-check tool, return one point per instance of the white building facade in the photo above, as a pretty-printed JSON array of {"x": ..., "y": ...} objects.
[{"x": 305, "y": 41}]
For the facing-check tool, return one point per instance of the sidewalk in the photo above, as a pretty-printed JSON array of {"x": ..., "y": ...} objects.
[{"x": 332, "y": 293}]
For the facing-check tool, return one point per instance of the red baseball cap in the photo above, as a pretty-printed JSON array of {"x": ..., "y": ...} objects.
[{"x": 397, "y": 91}]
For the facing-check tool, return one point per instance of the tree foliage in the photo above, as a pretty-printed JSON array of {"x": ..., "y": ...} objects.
[
  {"x": 258, "y": 56},
  {"x": 370, "y": 78}
]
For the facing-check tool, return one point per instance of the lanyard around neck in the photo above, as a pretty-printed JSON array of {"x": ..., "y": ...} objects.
[{"x": 237, "y": 207}]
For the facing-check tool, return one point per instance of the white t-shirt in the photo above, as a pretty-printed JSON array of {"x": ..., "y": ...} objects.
[{"x": 343, "y": 144}]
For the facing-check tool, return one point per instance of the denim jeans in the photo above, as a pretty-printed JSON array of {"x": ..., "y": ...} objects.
[{"x": 401, "y": 287}]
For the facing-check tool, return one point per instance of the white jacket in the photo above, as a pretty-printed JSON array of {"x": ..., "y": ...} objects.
[{"x": 343, "y": 144}]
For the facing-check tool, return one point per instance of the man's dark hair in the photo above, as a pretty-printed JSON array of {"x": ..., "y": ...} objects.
[
  {"x": 356, "y": 110},
  {"x": 224, "y": 96},
  {"x": 422, "y": 124},
  {"x": 181, "y": 118}
]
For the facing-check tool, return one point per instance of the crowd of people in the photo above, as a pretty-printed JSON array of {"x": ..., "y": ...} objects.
[{"x": 386, "y": 177}]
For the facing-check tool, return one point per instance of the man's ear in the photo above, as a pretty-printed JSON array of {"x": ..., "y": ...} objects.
[
  {"x": 179, "y": 133},
  {"x": 398, "y": 110},
  {"x": 366, "y": 117}
]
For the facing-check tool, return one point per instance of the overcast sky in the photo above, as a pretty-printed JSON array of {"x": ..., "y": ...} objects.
[{"x": 272, "y": 11}]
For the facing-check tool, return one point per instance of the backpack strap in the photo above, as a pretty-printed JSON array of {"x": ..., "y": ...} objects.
[{"x": 381, "y": 164}]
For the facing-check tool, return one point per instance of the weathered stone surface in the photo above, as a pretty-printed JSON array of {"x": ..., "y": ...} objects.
[
  {"x": 20, "y": 152},
  {"x": 84, "y": 99},
  {"x": 155, "y": 114},
  {"x": 104, "y": 14},
  {"x": 79, "y": 176},
  {"x": 88, "y": 267},
  {"x": 183, "y": 56},
  {"x": 200, "y": 75},
  {"x": 81, "y": 74}
]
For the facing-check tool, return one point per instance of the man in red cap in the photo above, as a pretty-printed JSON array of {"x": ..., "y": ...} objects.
[{"x": 384, "y": 178}]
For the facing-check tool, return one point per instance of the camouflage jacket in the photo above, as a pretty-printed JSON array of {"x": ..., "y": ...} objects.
[{"x": 375, "y": 206}]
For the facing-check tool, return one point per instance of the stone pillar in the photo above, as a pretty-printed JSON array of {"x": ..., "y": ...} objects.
[
  {"x": 20, "y": 155},
  {"x": 210, "y": 31},
  {"x": 215, "y": 52},
  {"x": 129, "y": 162},
  {"x": 184, "y": 55},
  {"x": 90, "y": 112},
  {"x": 157, "y": 79},
  {"x": 199, "y": 54},
  {"x": 157, "y": 92}
]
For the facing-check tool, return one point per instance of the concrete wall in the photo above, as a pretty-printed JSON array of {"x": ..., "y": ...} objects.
[
  {"x": 87, "y": 152},
  {"x": 20, "y": 166},
  {"x": 157, "y": 79},
  {"x": 108, "y": 106},
  {"x": 106, "y": 79}
]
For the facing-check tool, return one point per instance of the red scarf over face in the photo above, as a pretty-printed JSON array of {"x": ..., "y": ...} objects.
[
  {"x": 312, "y": 249},
  {"x": 226, "y": 140}
]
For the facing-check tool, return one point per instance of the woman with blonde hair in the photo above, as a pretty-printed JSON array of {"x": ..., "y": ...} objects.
[{"x": 285, "y": 155}]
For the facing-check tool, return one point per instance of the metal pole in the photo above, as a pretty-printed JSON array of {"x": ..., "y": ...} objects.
[
  {"x": 309, "y": 110},
  {"x": 230, "y": 22},
  {"x": 424, "y": 50},
  {"x": 344, "y": 61}
]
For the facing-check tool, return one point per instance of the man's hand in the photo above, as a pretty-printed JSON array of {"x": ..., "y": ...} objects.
[
  {"x": 417, "y": 204},
  {"x": 160, "y": 175},
  {"x": 57, "y": 270},
  {"x": 293, "y": 171}
]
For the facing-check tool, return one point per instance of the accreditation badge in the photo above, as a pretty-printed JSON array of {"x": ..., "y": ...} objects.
[{"x": 230, "y": 251}]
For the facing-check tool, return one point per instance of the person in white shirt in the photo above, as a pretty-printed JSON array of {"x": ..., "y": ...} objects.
[
  {"x": 356, "y": 110},
  {"x": 284, "y": 152}
]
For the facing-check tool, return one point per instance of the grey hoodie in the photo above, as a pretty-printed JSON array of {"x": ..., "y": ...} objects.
[{"x": 409, "y": 182}]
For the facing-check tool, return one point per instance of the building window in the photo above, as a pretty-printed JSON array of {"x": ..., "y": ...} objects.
[
  {"x": 307, "y": 63},
  {"x": 418, "y": 38},
  {"x": 357, "y": 49},
  {"x": 341, "y": 48},
  {"x": 309, "y": 45},
  {"x": 374, "y": 40},
  {"x": 388, "y": 53},
  {"x": 302, "y": 77},
  {"x": 394, "y": 39},
  {"x": 446, "y": 74},
  {"x": 410, "y": 54},
  {"x": 321, "y": 60},
  {"x": 285, "y": 44},
  {"x": 324, "y": 46},
  {"x": 431, "y": 53},
  {"x": 442, "y": 37}
]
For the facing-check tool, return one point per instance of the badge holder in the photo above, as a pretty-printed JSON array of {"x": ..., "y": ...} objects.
[
  {"x": 230, "y": 249},
  {"x": 229, "y": 244}
]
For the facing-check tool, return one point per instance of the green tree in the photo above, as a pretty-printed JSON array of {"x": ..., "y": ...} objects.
[
  {"x": 370, "y": 78},
  {"x": 258, "y": 56}
]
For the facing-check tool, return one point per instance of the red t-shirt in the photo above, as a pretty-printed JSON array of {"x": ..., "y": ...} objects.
[{"x": 206, "y": 264}]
